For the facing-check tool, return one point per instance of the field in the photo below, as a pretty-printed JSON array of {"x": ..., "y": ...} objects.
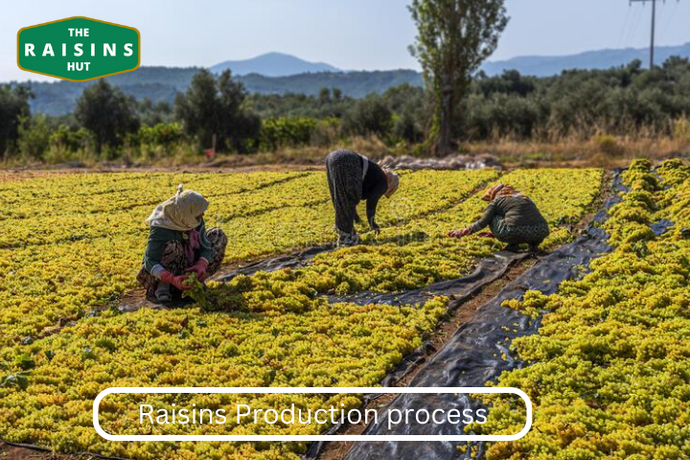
[
  {"x": 610, "y": 368},
  {"x": 71, "y": 245}
]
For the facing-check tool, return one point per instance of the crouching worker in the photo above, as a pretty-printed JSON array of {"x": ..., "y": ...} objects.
[
  {"x": 512, "y": 217},
  {"x": 179, "y": 244},
  {"x": 353, "y": 178}
]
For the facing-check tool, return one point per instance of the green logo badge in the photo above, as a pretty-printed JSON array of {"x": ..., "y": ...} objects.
[{"x": 78, "y": 49}]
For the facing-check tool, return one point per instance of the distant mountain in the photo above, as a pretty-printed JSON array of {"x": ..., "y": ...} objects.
[
  {"x": 273, "y": 65},
  {"x": 354, "y": 84},
  {"x": 155, "y": 83},
  {"x": 162, "y": 83},
  {"x": 546, "y": 66}
]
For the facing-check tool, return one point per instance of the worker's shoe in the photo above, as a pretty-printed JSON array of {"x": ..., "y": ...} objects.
[
  {"x": 512, "y": 248},
  {"x": 162, "y": 292},
  {"x": 348, "y": 239}
]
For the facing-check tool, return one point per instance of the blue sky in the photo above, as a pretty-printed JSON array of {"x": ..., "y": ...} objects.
[{"x": 350, "y": 34}]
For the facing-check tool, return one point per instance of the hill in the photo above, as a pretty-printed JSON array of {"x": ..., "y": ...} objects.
[
  {"x": 273, "y": 65},
  {"x": 162, "y": 83},
  {"x": 546, "y": 66},
  {"x": 354, "y": 84}
]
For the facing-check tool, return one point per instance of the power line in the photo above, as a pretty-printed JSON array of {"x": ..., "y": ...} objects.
[
  {"x": 624, "y": 29},
  {"x": 636, "y": 23},
  {"x": 669, "y": 20},
  {"x": 651, "y": 47}
]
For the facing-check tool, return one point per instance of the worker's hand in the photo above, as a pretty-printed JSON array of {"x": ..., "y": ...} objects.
[
  {"x": 459, "y": 233},
  {"x": 177, "y": 281},
  {"x": 200, "y": 268},
  {"x": 375, "y": 228}
]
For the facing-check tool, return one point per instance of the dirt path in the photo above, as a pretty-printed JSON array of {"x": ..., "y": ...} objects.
[
  {"x": 18, "y": 452},
  {"x": 463, "y": 313},
  {"x": 41, "y": 171},
  {"x": 336, "y": 450}
]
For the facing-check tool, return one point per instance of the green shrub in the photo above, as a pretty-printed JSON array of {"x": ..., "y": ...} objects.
[
  {"x": 609, "y": 145},
  {"x": 71, "y": 139},
  {"x": 280, "y": 132},
  {"x": 165, "y": 134},
  {"x": 34, "y": 137}
]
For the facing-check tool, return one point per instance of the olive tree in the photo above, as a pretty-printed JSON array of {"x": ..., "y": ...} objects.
[
  {"x": 216, "y": 107},
  {"x": 14, "y": 107},
  {"x": 108, "y": 113}
]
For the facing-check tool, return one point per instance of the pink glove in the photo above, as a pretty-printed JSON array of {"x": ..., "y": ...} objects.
[
  {"x": 459, "y": 233},
  {"x": 199, "y": 268},
  {"x": 177, "y": 281}
]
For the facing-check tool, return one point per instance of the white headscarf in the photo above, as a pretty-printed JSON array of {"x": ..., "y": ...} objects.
[
  {"x": 393, "y": 183},
  {"x": 180, "y": 212}
]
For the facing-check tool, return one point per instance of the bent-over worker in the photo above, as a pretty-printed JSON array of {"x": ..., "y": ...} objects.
[
  {"x": 353, "y": 178},
  {"x": 512, "y": 217},
  {"x": 179, "y": 244}
]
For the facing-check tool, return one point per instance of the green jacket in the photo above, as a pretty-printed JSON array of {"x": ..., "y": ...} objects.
[
  {"x": 517, "y": 211},
  {"x": 159, "y": 237}
]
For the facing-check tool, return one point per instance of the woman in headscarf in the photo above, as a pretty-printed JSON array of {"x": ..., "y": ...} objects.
[
  {"x": 512, "y": 217},
  {"x": 179, "y": 244},
  {"x": 353, "y": 178}
]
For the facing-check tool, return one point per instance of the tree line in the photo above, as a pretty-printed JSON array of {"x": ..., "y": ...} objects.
[
  {"x": 217, "y": 111},
  {"x": 457, "y": 104}
]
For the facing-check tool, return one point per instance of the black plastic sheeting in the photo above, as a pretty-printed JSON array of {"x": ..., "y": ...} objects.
[
  {"x": 661, "y": 227},
  {"x": 459, "y": 290},
  {"x": 479, "y": 351},
  {"x": 297, "y": 259},
  {"x": 487, "y": 271}
]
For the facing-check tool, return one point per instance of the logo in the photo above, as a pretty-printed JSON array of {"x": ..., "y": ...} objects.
[{"x": 78, "y": 49}]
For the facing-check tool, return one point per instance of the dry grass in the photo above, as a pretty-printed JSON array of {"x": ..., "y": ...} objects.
[
  {"x": 603, "y": 150},
  {"x": 589, "y": 146},
  {"x": 372, "y": 146}
]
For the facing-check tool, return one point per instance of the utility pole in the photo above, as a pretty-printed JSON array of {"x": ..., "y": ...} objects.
[{"x": 651, "y": 47}]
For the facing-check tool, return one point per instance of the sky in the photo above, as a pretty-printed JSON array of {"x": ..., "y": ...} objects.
[{"x": 349, "y": 34}]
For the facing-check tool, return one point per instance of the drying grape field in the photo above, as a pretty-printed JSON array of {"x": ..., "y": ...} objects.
[{"x": 608, "y": 371}]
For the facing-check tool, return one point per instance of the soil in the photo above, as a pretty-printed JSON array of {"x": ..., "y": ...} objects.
[
  {"x": 229, "y": 165},
  {"x": 40, "y": 170},
  {"x": 15, "y": 452},
  {"x": 336, "y": 450}
]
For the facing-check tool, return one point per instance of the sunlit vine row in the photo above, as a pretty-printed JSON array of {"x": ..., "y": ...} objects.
[
  {"x": 281, "y": 338},
  {"x": 609, "y": 370},
  {"x": 71, "y": 243},
  {"x": 418, "y": 253}
]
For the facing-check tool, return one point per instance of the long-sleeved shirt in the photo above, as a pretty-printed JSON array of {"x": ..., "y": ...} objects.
[
  {"x": 159, "y": 238},
  {"x": 516, "y": 210},
  {"x": 374, "y": 186}
]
